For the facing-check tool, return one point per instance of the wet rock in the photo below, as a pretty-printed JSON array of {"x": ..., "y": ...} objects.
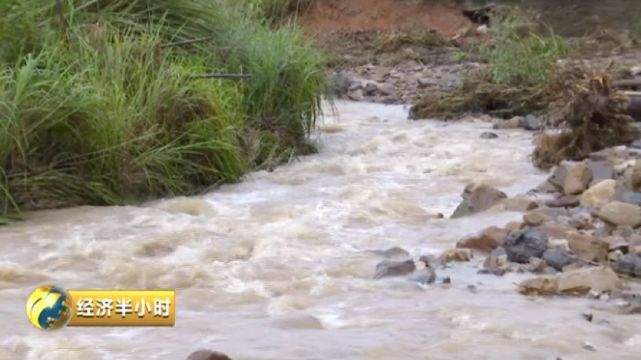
[
  {"x": 629, "y": 197},
  {"x": 565, "y": 201},
  {"x": 456, "y": 255},
  {"x": 632, "y": 176},
  {"x": 496, "y": 261},
  {"x": 574, "y": 282},
  {"x": 489, "y": 135},
  {"x": 587, "y": 247},
  {"x": 424, "y": 276},
  {"x": 370, "y": 89},
  {"x": 356, "y": 95},
  {"x": 386, "y": 89},
  {"x": 531, "y": 122},
  {"x": 600, "y": 170},
  {"x": 513, "y": 123},
  {"x": 477, "y": 198},
  {"x": 428, "y": 260},
  {"x": 487, "y": 240},
  {"x": 519, "y": 203},
  {"x": 389, "y": 268},
  {"x": 571, "y": 177},
  {"x": 629, "y": 264},
  {"x": 558, "y": 258},
  {"x": 393, "y": 253},
  {"x": 535, "y": 218},
  {"x": 522, "y": 245},
  {"x": 619, "y": 213},
  {"x": 588, "y": 317},
  {"x": 599, "y": 194},
  {"x": 207, "y": 355},
  {"x": 581, "y": 281}
]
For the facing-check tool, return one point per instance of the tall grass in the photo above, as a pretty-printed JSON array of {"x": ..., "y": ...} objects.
[
  {"x": 98, "y": 109},
  {"x": 519, "y": 54}
]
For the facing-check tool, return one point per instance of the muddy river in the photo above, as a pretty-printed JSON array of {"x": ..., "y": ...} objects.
[{"x": 281, "y": 265}]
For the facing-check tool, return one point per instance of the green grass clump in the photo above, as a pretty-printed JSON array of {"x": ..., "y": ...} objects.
[
  {"x": 519, "y": 55},
  {"x": 108, "y": 107}
]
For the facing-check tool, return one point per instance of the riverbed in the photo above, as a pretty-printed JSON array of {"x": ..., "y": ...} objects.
[{"x": 281, "y": 265}]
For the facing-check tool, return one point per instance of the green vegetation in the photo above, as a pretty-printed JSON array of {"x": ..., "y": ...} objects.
[
  {"x": 107, "y": 102},
  {"x": 520, "y": 56},
  {"x": 520, "y": 78}
]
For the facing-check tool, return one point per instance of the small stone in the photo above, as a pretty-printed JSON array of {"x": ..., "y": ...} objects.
[
  {"x": 588, "y": 346},
  {"x": 477, "y": 198},
  {"x": 487, "y": 240},
  {"x": 389, "y": 268},
  {"x": 207, "y": 355},
  {"x": 531, "y": 122},
  {"x": 356, "y": 95},
  {"x": 522, "y": 245},
  {"x": 394, "y": 253},
  {"x": 513, "y": 123},
  {"x": 599, "y": 194},
  {"x": 424, "y": 276},
  {"x": 472, "y": 288},
  {"x": 456, "y": 255},
  {"x": 535, "y": 218},
  {"x": 629, "y": 264},
  {"x": 588, "y": 317},
  {"x": 600, "y": 170},
  {"x": 571, "y": 177},
  {"x": 587, "y": 247},
  {"x": 489, "y": 135},
  {"x": 370, "y": 89},
  {"x": 497, "y": 260},
  {"x": 565, "y": 201},
  {"x": 558, "y": 258},
  {"x": 447, "y": 280},
  {"x": 619, "y": 213}
]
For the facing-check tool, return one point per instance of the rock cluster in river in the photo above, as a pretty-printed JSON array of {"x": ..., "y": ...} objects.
[{"x": 582, "y": 231}]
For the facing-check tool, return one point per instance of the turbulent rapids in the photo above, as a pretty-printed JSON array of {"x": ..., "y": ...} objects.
[{"x": 281, "y": 265}]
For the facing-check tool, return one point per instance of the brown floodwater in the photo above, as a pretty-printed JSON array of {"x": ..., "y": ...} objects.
[{"x": 280, "y": 266}]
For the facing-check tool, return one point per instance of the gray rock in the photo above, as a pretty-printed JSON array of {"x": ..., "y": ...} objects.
[
  {"x": 207, "y": 355},
  {"x": 521, "y": 245},
  {"x": 558, "y": 258},
  {"x": 389, "y": 268},
  {"x": 425, "y": 276},
  {"x": 601, "y": 170},
  {"x": 477, "y": 198},
  {"x": 531, "y": 122},
  {"x": 489, "y": 135},
  {"x": 564, "y": 201},
  {"x": 386, "y": 89},
  {"x": 394, "y": 252},
  {"x": 629, "y": 197},
  {"x": 629, "y": 264},
  {"x": 370, "y": 89}
]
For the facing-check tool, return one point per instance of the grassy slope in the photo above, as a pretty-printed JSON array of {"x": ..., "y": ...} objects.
[{"x": 97, "y": 109}]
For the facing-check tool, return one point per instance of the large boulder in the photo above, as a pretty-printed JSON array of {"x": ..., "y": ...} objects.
[
  {"x": 207, "y": 355},
  {"x": 620, "y": 213},
  {"x": 599, "y": 194},
  {"x": 487, "y": 240},
  {"x": 521, "y": 245},
  {"x": 587, "y": 247},
  {"x": 477, "y": 198}
]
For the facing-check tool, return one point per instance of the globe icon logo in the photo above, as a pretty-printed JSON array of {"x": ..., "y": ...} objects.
[{"x": 48, "y": 307}]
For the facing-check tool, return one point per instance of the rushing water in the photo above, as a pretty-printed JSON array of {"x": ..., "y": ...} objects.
[{"x": 280, "y": 266}]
